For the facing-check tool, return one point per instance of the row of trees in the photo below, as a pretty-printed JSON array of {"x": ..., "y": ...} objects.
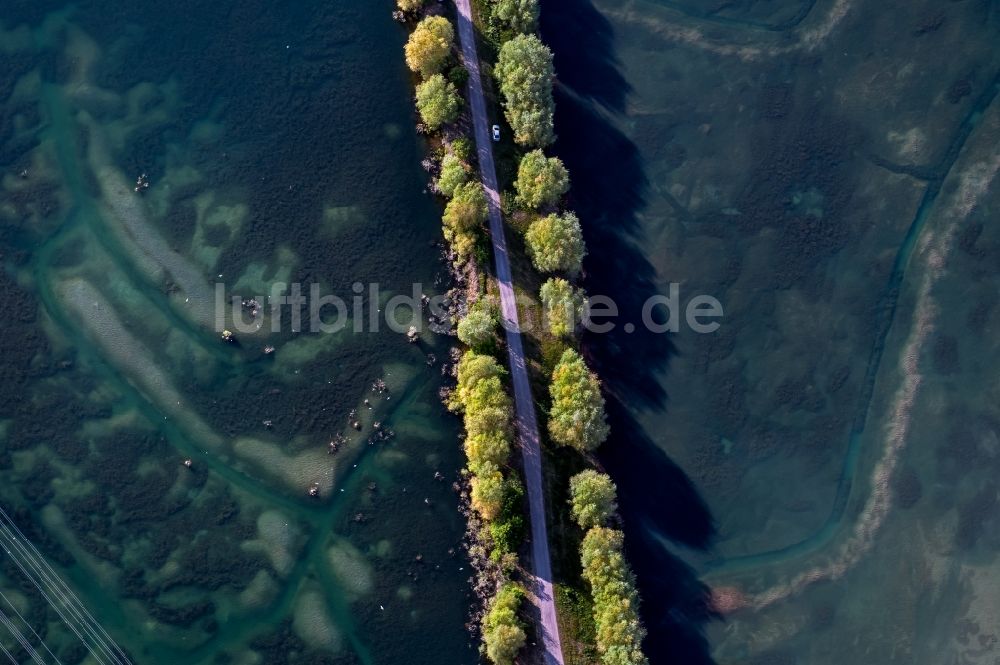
[
  {"x": 616, "y": 601},
  {"x": 577, "y": 418},
  {"x": 496, "y": 495},
  {"x": 480, "y": 395},
  {"x": 428, "y": 52},
  {"x": 620, "y": 633}
]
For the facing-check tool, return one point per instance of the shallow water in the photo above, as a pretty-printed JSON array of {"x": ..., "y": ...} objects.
[
  {"x": 277, "y": 144},
  {"x": 822, "y": 463}
]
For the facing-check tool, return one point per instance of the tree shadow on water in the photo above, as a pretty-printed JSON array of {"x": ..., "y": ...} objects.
[
  {"x": 658, "y": 500},
  {"x": 582, "y": 40},
  {"x": 660, "y": 504}
]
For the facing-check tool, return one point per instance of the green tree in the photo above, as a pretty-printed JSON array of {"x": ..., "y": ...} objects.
[
  {"x": 616, "y": 601},
  {"x": 487, "y": 393},
  {"x": 487, "y": 448},
  {"x": 487, "y": 419},
  {"x": 593, "y": 497},
  {"x": 410, "y": 5},
  {"x": 488, "y": 409},
  {"x": 520, "y": 15},
  {"x": 437, "y": 101},
  {"x": 453, "y": 174},
  {"x": 555, "y": 243},
  {"x": 488, "y": 491},
  {"x": 577, "y": 415},
  {"x": 562, "y": 306},
  {"x": 429, "y": 45},
  {"x": 472, "y": 368},
  {"x": 503, "y": 635},
  {"x": 477, "y": 328},
  {"x": 541, "y": 181},
  {"x": 524, "y": 70},
  {"x": 464, "y": 216}
]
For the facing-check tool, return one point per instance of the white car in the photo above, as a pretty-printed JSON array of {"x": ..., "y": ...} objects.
[{"x": 496, "y": 133}]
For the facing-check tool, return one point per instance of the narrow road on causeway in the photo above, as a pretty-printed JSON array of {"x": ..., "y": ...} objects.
[{"x": 527, "y": 423}]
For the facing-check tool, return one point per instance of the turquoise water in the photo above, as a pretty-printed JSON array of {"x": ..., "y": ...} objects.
[
  {"x": 278, "y": 147},
  {"x": 813, "y": 482}
]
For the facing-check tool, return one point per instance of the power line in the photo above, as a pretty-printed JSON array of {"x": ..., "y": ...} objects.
[
  {"x": 28, "y": 625},
  {"x": 19, "y": 636},
  {"x": 59, "y": 595}
]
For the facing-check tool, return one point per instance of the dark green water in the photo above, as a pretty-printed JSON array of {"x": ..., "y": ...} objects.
[
  {"x": 278, "y": 146},
  {"x": 815, "y": 482}
]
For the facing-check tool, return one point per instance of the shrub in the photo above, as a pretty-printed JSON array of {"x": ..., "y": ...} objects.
[
  {"x": 555, "y": 243},
  {"x": 524, "y": 70},
  {"x": 577, "y": 415},
  {"x": 507, "y": 535},
  {"x": 429, "y": 45},
  {"x": 462, "y": 148},
  {"x": 487, "y": 419},
  {"x": 437, "y": 101},
  {"x": 507, "y": 530},
  {"x": 488, "y": 409},
  {"x": 594, "y": 498},
  {"x": 458, "y": 75},
  {"x": 487, "y": 393}
]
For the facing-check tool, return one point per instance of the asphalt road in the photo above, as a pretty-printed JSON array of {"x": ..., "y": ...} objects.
[{"x": 527, "y": 422}]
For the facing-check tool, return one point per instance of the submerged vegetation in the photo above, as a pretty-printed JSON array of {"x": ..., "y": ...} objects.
[{"x": 209, "y": 501}]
